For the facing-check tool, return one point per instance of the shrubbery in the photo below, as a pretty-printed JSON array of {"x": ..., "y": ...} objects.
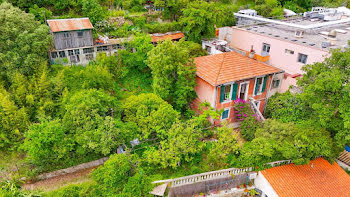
[{"x": 250, "y": 121}]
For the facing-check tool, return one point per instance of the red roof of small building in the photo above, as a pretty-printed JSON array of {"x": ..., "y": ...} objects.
[
  {"x": 319, "y": 178},
  {"x": 230, "y": 66},
  {"x": 171, "y": 36},
  {"x": 72, "y": 24}
]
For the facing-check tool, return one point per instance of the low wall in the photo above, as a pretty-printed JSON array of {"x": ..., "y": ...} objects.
[{"x": 73, "y": 169}]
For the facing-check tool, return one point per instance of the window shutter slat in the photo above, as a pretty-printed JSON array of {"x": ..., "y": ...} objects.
[
  {"x": 264, "y": 84},
  {"x": 222, "y": 93},
  {"x": 234, "y": 91}
]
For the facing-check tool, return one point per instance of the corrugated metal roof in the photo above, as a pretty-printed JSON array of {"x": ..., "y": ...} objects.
[
  {"x": 230, "y": 66},
  {"x": 163, "y": 37},
  {"x": 72, "y": 24}
]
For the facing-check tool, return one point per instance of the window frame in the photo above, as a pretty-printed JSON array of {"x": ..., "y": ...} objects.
[
  {"x": 102, "y": 48},
  {"x": 80, "y": 32},
  {"x": 88, "y": 50},
  {"x": 90, "y": 55},
  {"x": 229, "y": 93},
  {"x": 300, "y": 59},
  {"x": 274, "y": 83},
  {"x": 54, "y": 56},
  {"x": 267, "y": 47},
  {"x": 261, "y": 86},
  {"x": 228, "y": 114},
  {"x": 62, "y": 52},
  {"x": 239, "y": 92}
]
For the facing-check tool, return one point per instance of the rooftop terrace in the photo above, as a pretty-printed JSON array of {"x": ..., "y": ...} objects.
[{"x": 314, "y": 32}]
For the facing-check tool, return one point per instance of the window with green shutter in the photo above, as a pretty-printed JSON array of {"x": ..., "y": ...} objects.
[
  {"x": 234, "y": 91},
  {"x": 225, "y": 93},
  {"x": 260, "y": 85},
  {"x": 225, "y": 114},
  {"x": 264, "y": 84}
]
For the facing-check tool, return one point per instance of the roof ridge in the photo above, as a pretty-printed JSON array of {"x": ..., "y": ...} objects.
[{"x": 217, "y": 76}]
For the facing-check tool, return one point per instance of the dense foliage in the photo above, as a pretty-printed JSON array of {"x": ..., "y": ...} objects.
[
  {"x": 173, "y": 72},
  {"x": 324, "y": 99},
  {"x": 25, "y": 43},
  {"x": 58, "y": 116}
]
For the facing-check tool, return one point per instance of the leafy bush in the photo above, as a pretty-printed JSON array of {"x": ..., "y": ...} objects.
[
  {"x": 250, "y": 121},
  {"x": 287, "y": 107},
  {"x": 151, "y": 114},
  {"x": 115, "y": 13},
  {"x": 162, "y": 27},
  {"x": 114, "y": 174}
]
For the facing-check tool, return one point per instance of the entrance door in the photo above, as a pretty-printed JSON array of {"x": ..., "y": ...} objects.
[{"x": 243, "y": 90}]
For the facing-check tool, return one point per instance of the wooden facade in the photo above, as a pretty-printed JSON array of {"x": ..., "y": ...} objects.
[{"x": 73, "y": 39}]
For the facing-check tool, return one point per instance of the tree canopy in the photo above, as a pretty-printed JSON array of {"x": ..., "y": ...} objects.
[
  {"x": 27, "y": 42},
  {"x": 173, "y": 74}
]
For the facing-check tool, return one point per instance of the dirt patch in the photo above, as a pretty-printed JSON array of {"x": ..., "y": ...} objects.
[{"x": 60, "y": 181}]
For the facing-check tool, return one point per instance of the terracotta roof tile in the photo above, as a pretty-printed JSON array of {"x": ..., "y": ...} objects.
[
  {"x": 72, "y": 24},
  {"x": 174, "y": 36},
  {"x": 230, "y": 66},
  {"x": 321, "y": 180}
]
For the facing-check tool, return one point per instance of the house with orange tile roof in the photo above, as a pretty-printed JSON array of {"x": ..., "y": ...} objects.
[
  {"x": 319, "y": 178},
  {"x": 226, "y": 77}
]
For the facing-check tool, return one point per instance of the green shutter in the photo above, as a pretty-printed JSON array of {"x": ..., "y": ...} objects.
[
  {"x": 256, "y": 87},
  {"x": 234, "y": 91},
  {"x": 264, "y": 84},
  {"x": 224, "y": 114},
  {"x": 222, "y": 93}
]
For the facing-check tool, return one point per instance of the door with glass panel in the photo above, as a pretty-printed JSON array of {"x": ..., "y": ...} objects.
[{"x": 243, "y": 90}]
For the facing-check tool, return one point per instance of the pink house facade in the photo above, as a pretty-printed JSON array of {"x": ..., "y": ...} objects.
[
  {"x": 284, "y": 54},
  {"x": 226, "y": 77}
]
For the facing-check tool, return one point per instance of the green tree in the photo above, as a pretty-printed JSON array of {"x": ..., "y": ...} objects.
[
  {"x": 136, "y": 54},
  {"x": 93, "y": 10},
  {"x": 298, "y": 143},
  {"x": 173, "y": 74},
  {"x": 79, "y": 77},
  {"x": 114, "y": 174},
  {"x": 270, "y": 8},
  {"x": 172, "y": 8},
  {"x": 287, "y": 107},
  {"x": 138, "y": 185},
  {"x": 13, "y": 121},
  {"x": 195, "y": 49},
  {"x": 226, "y": 144},
  {"x": 41, "y": 14},
  {"x": 199, "y": 20},
  {"x": 151, "y": 114},
  {"x": 114, "y": 65},
  {"x": 47, "y": 143},
  {"x": 27, "y": 42},
  {"x": 87, "y": 115},
  {"x": 182, "y": 143},
  {"x": 326, "y": 91}
]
